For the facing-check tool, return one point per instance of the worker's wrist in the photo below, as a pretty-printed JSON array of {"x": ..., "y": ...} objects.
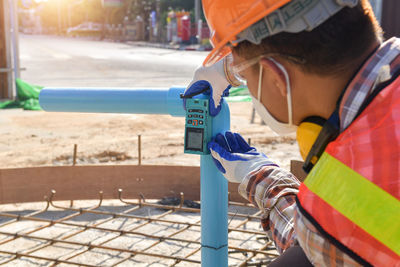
[{"x": 277, "y": 183}]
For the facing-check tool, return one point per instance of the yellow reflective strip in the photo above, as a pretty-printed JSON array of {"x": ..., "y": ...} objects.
[{"x": 358, "y": 199}]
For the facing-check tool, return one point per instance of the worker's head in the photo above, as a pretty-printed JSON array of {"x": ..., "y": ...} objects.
[{"x": 290, "y": 41}]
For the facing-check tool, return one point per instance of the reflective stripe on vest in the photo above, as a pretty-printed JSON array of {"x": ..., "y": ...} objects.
[
  {"x": 345, "y": 205},
  {"x": 353, "y": 193}
]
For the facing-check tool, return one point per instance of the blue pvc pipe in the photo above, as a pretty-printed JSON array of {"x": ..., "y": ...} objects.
[
  {"x": 214, "y": 202},
  {"x": 214, "y": 187},
  {"x": 108, "y": 100}
]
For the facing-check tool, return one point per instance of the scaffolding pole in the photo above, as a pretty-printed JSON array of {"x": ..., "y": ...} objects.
[{"x": 6, "y": 81}]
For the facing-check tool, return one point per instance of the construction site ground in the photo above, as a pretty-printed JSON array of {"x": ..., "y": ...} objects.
[{"x": 37, "y": 138}]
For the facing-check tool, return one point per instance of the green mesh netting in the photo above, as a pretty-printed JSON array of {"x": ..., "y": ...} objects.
[
  {"x": 238, "y": 94},
  {"x": 28, "y": 97}
]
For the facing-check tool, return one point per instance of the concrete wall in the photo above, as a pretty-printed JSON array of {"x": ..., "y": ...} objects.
[{"x": 390, "y": 18}]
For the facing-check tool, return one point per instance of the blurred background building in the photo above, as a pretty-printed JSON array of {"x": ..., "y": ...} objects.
[
  {"x": 123, "y": 20},
  {"x": 162, "y": 21}
]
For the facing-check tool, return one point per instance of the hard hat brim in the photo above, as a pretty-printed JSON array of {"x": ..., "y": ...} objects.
[{"x": 218, "y": 53}]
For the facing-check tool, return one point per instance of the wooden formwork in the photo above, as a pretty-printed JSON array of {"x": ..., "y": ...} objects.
[{"x": 84, "y": 182}]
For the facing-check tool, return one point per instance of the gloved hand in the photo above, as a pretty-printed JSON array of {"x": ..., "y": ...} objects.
[
  {"x": 213, "y": 81},
  {"x": 235, "y": 158}
]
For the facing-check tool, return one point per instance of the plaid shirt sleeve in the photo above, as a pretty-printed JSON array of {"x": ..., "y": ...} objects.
[{"x": 273, "y": 191}]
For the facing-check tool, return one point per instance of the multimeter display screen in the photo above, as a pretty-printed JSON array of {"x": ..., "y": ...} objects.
[{"x": 194, "y": 139}]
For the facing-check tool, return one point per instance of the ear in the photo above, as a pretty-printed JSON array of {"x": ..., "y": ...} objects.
[{"x": 276, "y": 75}]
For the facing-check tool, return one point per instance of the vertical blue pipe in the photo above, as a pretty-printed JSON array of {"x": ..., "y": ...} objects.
[{"x": 214, "y": 203}]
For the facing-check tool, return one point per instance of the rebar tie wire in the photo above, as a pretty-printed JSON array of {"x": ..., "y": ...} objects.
[{"x": 250, "y": 254}]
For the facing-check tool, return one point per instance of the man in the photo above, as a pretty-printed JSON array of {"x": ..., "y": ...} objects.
[{"x": 319, "y": 67}]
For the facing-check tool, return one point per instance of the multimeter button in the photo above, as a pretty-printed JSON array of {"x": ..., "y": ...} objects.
[
  {"x": 189, "y": 122},
  {"x": 200, "y": 111},
  {"x": 201, "y": 116},
  {"x": 189, "y": 116},
  {"x": 190, "y": 110},
  {"x": 201, "y": 122},
  {"x": 195, "y": 116}
]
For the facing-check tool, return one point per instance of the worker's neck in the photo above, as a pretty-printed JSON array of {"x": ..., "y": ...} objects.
[
  {"x": 322, "y": 92},
  {"x": 319, "y": 96}
]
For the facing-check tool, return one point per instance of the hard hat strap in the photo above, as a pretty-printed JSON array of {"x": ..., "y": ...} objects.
[{"x": 296, "y": 16}]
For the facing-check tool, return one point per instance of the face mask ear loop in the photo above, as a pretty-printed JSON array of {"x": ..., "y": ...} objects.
[
  {"x": 289, "y": 98},
  {"x": 288, "y": 90},
  {"x": 259, "y": 83}
]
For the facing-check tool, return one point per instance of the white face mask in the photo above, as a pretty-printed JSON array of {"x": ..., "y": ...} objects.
[{"x": 278, "y": 127}]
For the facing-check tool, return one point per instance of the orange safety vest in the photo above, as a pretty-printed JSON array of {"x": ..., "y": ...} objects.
[{"x": 352, "y": 195}]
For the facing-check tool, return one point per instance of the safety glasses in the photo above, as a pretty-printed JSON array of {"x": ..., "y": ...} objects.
[{"x": 237, "y": 69}]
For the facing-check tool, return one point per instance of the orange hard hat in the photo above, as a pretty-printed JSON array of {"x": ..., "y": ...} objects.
[
  {"x": 232, "y": 21},
  {"x": 227, "y": 18}
]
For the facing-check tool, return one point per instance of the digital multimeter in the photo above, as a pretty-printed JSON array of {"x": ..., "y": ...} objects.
[{"x": 198, "y": 128}]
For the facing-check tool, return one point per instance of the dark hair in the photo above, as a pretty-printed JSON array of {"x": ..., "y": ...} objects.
[{"x": 332, "y": 48}]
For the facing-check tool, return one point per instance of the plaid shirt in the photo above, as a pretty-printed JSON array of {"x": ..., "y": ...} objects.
[{"x": 273, "y": 189}]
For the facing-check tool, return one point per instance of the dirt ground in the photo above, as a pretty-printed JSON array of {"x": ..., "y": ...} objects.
[{"x": 34, "y": 138}]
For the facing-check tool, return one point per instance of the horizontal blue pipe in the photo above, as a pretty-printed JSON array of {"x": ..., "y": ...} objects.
[{"x": 109, "y": 100}]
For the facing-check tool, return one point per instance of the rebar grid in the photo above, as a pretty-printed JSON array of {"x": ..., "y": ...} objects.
[{"x": 247, "y": 247}]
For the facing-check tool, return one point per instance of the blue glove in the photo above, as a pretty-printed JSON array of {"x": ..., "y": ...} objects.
[
  {"x": 235, "y": 158},
  {"x": 205, "y": 87}
]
